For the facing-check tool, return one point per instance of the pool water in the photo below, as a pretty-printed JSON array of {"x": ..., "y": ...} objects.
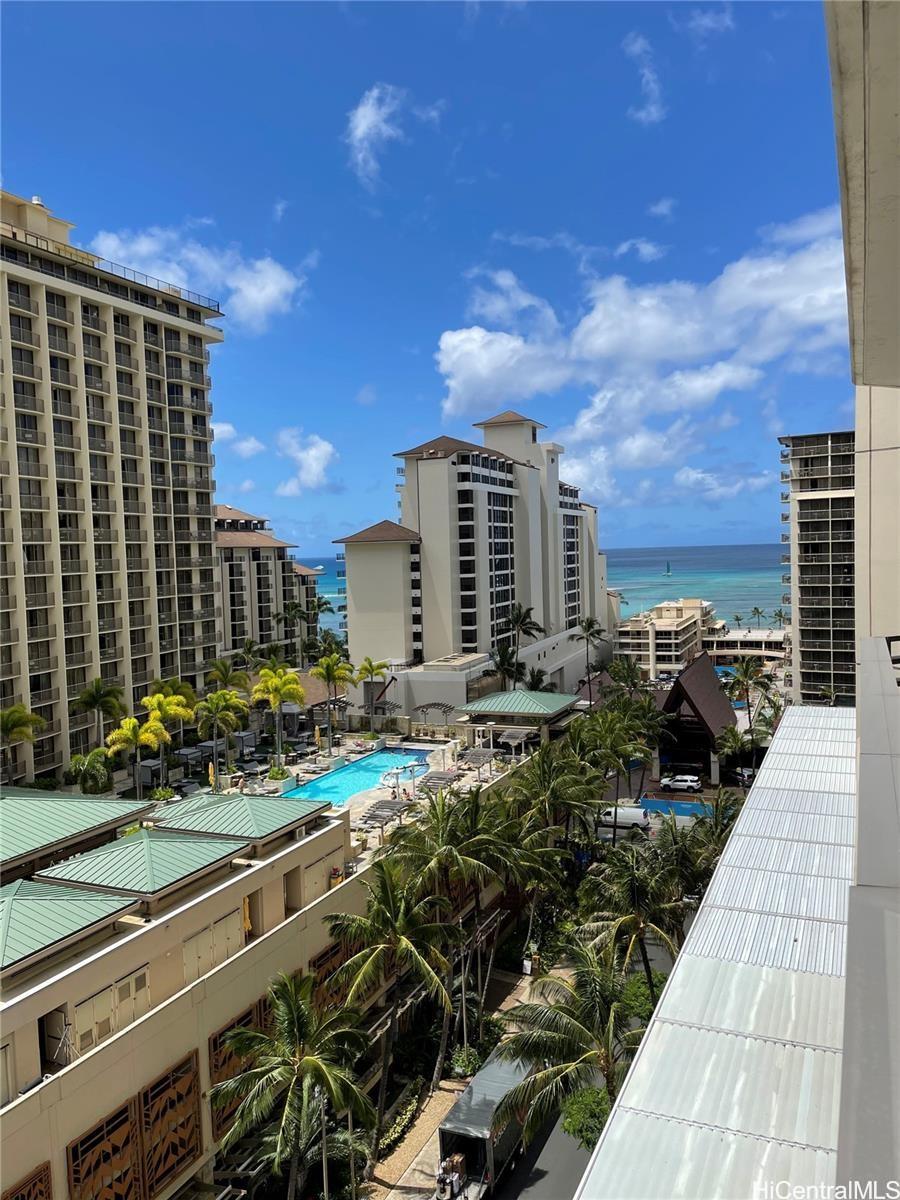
[
  {"x": 341, "y": 785},
  {"x": 681, "y": 808}
]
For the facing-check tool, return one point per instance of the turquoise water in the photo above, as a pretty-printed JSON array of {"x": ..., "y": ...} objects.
[
  {"x": 681, "y": 808},
  {"x": 734, "y": 579},
  {"x": 340, "y": 785}
]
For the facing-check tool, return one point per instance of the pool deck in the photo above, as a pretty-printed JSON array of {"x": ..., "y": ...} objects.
[{"x": 361, "y": 802}]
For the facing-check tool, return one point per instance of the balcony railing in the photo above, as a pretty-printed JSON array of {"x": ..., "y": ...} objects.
[
  {"x": 23, "y": 337},
  {"x": 59, "y": 312},
  {"x": 61, "y": 345},
  {"x": 26, "y": 369},
  {"x": 95, "y": 354},
  {"x": 91, "y": 322},
  {"x": 22, "y": 303}
]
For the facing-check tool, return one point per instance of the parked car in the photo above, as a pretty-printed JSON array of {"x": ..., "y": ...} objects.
[
  {"x": 628, "y": 817},
  {"x": 681, "y": 783}
]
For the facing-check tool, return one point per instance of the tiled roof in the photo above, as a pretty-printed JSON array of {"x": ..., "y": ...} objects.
[
  {"x": 237, "y": 538},
  {"x": 224, "y": 512},
  {"x": 520, "y": 703},
  {"x": 384, "y": 531},
  {"x": 250, "y": 817},
  {"x": 699, "y": 687},
  {"x": 509, "y": 417},
  {"x": 300, "y": 569},
  {"x": 31, "y": 820},
  {"x": 440, "y": 446},
  {"x": 144, "y": 862},
  {"x": 35, "y": 915}
]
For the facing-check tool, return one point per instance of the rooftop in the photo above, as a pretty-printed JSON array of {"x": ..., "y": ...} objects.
[
  {"x": 251, "y": 818},
  {"x": 509, "y": 417},
  {"x": 225, "y": 512},
  {"x": 737, "y": 1079},
  {"x": 31, "y": 821},
  {"x": 520, "y": 703},
  {"x": 238, "y": 538},
  {"x": 300, "y": 569},
  {"x": 699, "y": 690},
  {"x": 440, "y": 447},
  {"x": 383, "y": 531},
  {"x": 35, "y": 916},
  {"x": 145, "y": 862}
]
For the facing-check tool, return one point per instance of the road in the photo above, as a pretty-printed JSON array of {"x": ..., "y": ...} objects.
[{"x": 550, "y": 1169}]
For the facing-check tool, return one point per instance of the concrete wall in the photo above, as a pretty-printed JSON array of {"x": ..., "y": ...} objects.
[
  {"x": 877, "y": 549},
  {"x": 379, "y": 616}
]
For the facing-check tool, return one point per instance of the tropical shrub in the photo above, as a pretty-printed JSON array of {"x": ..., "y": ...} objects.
[
  {"x": 276, "y": 773},
  {"x": 161, "y": 794},
  {"x": 403, "y": 1118},
  {"x": 464, "y": 1061},
  {"x": 584, "y": 1115}
]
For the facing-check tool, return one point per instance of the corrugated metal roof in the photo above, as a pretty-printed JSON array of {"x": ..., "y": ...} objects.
[
  {"x": 737, "y": 1080},
  {"x": 144, "y": 862},
  {"x": 250, "y": 817},
  {"x": 35, "y": 915},
  {"x": 31, "y": 820},
  {"x": 520, "y": 703}
]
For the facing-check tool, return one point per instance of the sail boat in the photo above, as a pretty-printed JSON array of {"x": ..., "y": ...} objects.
[{"x": 668, "y": 570}]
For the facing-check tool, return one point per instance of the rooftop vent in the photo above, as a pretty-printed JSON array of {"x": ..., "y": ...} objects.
[{"x": 38, "y": 201}]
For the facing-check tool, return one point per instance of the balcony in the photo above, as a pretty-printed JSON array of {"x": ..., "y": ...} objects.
[
  {"x": 137, "y": 564},
  {"x": 154, "y": 368},
  {"x": 30, "y": 437},
  {"x": 101, "y": 445},
  {"x": 67, "y": 472},
  {"x": 77, "y": 628},
  {"x": 200, "y": 406},
  {"x": 62, "y": 345},
  {"x": 192, "y": 510},
  {"x": 26, "y": 370},
  {"x": 185, "y": 562},
  {"x": 129, "y": 420},
  {"x": 106, "y": 595},
  {"x": 195, "y": 378},
  {"x": 37, "y": 566},
  {"x": 141, "y": 649},
  {"x": 76, "y": 596},
  {"x": 101, "y": 415},
  {"x": 786, "y": 596},
  {"x": 47, "y": 696},
  {"x": 128, "y": 389},
  {"x": 59, "y": 312},
  {"x": 134, "y": 478},
  {"x": 23, "y": 337},
  {"x": 110, "y": 654},
  {"x": 124, "y": 331},
  {"x": 786, "y": 579},
  {"x": 37, "y": 666},
  {"x": 144, "y": 676},
  {"x": 134, "y": 506},
  {"x": 109, "y": 625},
  {"x": 67, "y": 441},
  {"x": 28, "y": 404},
  {"x": 95, "y": 355},
  {"x": 151, "y": 339},
  {"x": 72, "y": 535},
  {"x": 22, "y": 303},
  {"x": 93, "y": 383},
  {"x": 135, "y": 535},
  {"x": 157, "y": 424},
  {"x": 139, "y": 592},
  {"x": 106, "y": 565},
  {"x": 126, "y": 360},
  {"x": 66, "y": 378},
  {"x": 162, "y": 508},
  {"x": 79, "y": 658},
  {"x": 193, "y": 456},
  {"x": 102, "y": 475},
  {"x": 105, "y": 537},
  {"x": 92, "y": 322},
  {"x": 47, "y": 762}
]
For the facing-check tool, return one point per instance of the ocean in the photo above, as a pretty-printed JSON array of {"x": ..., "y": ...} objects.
[{"x": 734, "y": 579}]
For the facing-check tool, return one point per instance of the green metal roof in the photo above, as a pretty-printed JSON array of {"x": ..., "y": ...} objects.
[
  {"x": 520, "y": 704},
  {"x": 35, "y": 915},
  {"x": 144, "y": 862},
  {"x": 31, "y": 820},
  {"x": 250, "y": 817}
]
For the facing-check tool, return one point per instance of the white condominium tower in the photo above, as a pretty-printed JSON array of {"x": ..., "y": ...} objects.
[
  {"x": 819, "y": 469},
  {"x": 481, "y": 527},
  {"x": 108, "y": 567}
]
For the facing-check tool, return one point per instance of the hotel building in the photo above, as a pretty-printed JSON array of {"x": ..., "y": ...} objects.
[
  {"x": 665, "y": 638},
  {"x": 259, "y": 577},
  {"x": 107, "y": 561},
  {"x": 481, "y": 527},
  {"x": 820, "y": 471}
]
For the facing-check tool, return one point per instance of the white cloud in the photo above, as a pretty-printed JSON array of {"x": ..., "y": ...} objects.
[
  {"x": 248, "y": 485},
  {"x": 704, "y": 23},
  {"x": 312, "y": 455},
  {"x": 279, "y": 208},
  {"x": 825, "y": 223},
  {"x": 366, "y": 395},
  {"x": 223, "y": 431},
  {"x": 252, "y": 290},
  {"x": 583, "y": 253},
  {"x": 247, "y": 447},
  {"x": 664, "y": 207},
  {"x": 646, "y": 250},
  {"x": 506, "y": 302},
  {"x": 377, "y": 121},
  {"x": 713, "y": 487},
  {"x": 639, "y": 50}
]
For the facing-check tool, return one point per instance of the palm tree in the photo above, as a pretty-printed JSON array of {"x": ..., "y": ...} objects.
[
  {"x": 367, "y": 672},
  {"x": 637, "y": 904},
  {"x": 318, "y": 607},
  {"x": 521, "y": 624},
  {"x": 334, "y": 671},
  {"x": 223, "y": 674},
  {"x": 217, "y": 713},
  {"x": 130, "y": 737},
  {"x": 592, "y": 634},
  {"x": 536, "y": 681},
  {"x": 554, "y": 786},
  {"x": 303, "y": 1058},
  {"x": 278, "y": 686},
  {"x": 102, "y": 698},
  {"x": 293, "y": 614},
  {"x": 828, "y": 694},
  {"x": 575, "y": 1029},
  {"x": 434, "y": 849},
  {"x": 249, "y": 654},
  {"x": 617, "y": 742},
  {"x": 175, "y": 687},
  {"x": 168, "y": 711},
  {"x": 714, "y": 825},
  {"x": 738, "y": 620},
  {"x": 748, "y": 679},
  {"x": 328, "y": 642},
  {"x": 340, "y": 1145},
  {"x": 732, "y": 743},
  {"x": 397, "y": 933},
  {"x": 681, "y": 853},
  {"x": 91, "y": 771},
  {"x": 17, "y": 725},
  {"x": 626, "y": 675},
  {"x": 780, "y": 616},
  {"x": 507, "y": 666},
  {"x": 767, "y": 721},
  {"x": 758, "y": 613}
]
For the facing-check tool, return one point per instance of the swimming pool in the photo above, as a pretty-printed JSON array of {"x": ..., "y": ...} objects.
[
  {"x": 681, "y": 808},
  {"x": 340, "y": 785}
]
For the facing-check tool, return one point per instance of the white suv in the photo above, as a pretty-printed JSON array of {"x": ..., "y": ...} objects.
[{"x": 681, "y": 783}]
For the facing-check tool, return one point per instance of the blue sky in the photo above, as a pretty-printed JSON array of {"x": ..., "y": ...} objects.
[{"x": 619, "y": 218}]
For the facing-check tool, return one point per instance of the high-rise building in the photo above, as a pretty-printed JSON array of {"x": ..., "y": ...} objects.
[
  {"x": 481, "y": 527},
  {"x": 820, "y": 471},
  {"x": 108, "y": 567},
  {"x": 259, "y": 579}
]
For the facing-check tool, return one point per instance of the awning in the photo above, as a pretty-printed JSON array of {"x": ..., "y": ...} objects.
[
  {"x": 478, "y": 758},
  {"x": 473, "y": 1112},
  {"x": 513, "y": 737}
]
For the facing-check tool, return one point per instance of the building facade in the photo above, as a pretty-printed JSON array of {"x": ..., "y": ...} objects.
[
  {"x": 107, "y": 561},
  {"x": 819, "y": 469},
  {"x": 481, "y": 527},
  {"x": 259, "y": 579}
]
